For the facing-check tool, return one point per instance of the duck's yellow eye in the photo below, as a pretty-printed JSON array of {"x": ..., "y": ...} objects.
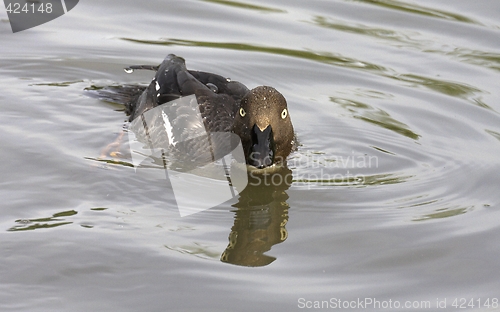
[
  {"x": 242, "y": 112},
  {"x": 284, "y": 113}
]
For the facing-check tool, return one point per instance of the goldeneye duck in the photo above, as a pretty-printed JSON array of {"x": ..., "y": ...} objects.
[{"x": 260, "y": 116}]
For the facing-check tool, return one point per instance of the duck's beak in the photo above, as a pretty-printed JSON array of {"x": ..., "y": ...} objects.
[{"x": 263, "y": 149}]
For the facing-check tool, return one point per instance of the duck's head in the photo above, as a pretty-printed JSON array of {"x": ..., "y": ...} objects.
[{"x": 264, "y": 126}]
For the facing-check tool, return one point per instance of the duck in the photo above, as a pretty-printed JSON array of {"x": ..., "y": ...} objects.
[{"x": 258, "y": 116}]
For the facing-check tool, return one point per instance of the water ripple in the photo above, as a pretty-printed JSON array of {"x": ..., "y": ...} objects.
[
  {"x": 419, "y": 10},
  {"x": 451, "y": 88},
  {"x": 322, "y": 57},
  {"x": 248, "y": 6},
  {"x": 375, "y": 116}
]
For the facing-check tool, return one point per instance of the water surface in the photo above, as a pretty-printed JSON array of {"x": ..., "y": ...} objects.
[{"x": 394, "y": 191}]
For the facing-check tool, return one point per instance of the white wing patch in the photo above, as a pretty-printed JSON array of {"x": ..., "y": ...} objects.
[{"x": 168, "y": 128}]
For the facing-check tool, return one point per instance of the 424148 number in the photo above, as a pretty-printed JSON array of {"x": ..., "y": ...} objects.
[{"x": 18, "y": 8}]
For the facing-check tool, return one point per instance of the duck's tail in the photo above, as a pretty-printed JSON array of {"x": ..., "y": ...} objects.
[
  {"x": 129, "y": 95},
  {"x": 126, "y": 95}
]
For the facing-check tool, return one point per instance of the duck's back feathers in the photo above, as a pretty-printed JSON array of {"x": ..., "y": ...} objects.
[{"x": 217, "y": 96}]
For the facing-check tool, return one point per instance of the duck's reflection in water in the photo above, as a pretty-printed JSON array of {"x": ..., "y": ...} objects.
[{"x": 260, "y": 219}]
